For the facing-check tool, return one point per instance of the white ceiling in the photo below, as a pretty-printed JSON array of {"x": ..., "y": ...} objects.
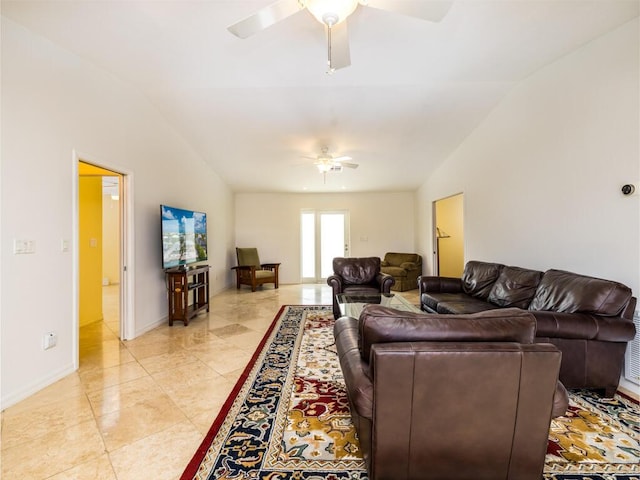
[{"x": 253, "y": 107}]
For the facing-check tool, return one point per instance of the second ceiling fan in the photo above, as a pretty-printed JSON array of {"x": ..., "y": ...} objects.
[
  {"x": 333, "y": 15},
  {"x": 328, "y": 163}
]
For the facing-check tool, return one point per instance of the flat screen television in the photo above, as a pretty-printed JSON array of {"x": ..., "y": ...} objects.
[{"x": 184, "y": 236}]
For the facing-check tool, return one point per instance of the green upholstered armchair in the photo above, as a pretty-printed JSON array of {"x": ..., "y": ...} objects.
[
  {"x": 253, "y": 273},
  {"x": 404, "y": 267}
]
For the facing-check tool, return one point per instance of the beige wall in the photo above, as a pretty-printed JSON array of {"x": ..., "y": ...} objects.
[
  {"x": 379, "y": 222},
  {"x": 56, "y": 108},
  {"x": 541, "y": 175}
]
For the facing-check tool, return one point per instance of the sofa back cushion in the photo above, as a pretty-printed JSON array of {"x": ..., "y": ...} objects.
[
  {"x": 567, "y": 292},
  {"x": 392, "y": 259},
  {"x": 378, "y": 324},
  {"x": 515, "y": 287},
  {"x": 478, "y": 278},
  {"x": 357, "y": 271}
]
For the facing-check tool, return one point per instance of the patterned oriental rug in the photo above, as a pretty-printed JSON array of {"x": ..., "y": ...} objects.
[{"x": 288, "y": 418}]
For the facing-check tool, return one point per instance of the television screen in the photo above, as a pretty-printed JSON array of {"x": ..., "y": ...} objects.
[{"x": 184, "y": 236}]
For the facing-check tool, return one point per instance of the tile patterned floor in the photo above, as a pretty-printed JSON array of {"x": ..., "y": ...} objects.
[{"x": 139, "y": 409}]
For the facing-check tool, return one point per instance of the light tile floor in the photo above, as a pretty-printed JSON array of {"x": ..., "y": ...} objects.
[{"x": 139, "y": 409}]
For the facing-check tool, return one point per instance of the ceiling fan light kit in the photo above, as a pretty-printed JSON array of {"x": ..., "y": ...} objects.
[
  {"x": 326, "y": 163},
  {"x": 330, "y": 12},
  {"x": 333, "y": 15}
]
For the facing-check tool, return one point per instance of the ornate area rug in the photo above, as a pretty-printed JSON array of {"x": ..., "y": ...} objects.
[{"x": 288, "y": 418}]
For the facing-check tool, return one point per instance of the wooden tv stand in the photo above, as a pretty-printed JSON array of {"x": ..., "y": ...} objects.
[{"x": 181, "y": 281}]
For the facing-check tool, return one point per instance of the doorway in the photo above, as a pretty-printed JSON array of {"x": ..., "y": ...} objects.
[
  {"x": 448, "y": 235},
  {"x": 324, "y": 236},
  {"x": 101, "y": 281}
]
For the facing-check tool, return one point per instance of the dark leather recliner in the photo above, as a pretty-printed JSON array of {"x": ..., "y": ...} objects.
[
  {"x": 358, "y": 276},
  {"x": 438, "y": 397}
]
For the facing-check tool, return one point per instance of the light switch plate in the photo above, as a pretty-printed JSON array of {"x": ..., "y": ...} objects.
[{"x": 22, "y": 246}]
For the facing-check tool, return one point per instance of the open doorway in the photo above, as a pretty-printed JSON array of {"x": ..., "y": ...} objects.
[
  {"x": 448, "y": 234},
  {"x": 100, "y": 254}
]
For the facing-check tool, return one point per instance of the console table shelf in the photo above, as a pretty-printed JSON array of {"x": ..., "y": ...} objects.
[{"x": 181, "y": 281}]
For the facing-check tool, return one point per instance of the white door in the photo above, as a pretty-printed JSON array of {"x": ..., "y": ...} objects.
[{"x": 324, "y": 235}]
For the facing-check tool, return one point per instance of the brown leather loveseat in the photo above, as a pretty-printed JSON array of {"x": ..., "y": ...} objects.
[
  {"x": 428, "y": 391},
  {"x": 589, "y": 319}
]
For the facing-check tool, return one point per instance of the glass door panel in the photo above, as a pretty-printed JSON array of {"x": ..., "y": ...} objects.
[{"x": 324, "y": 235}]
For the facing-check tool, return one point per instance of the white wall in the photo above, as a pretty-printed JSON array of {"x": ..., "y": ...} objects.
[
  {"x": 53, "y": 104},
  {"x": 541, "y": 175},
  {"x": 379, "y": 222}
]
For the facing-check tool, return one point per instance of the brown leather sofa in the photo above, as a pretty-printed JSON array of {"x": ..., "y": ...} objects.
[
  {"x": 357, "y": 276},
  {"x": 405, "y": 268},
  {"x": 589, "y": 319},
  {"x": 450, "y": 397}
]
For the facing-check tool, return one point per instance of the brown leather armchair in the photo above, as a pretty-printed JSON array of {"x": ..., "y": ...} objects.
[
  {"x": 450, "y": 397},
  {"x": 357, "y": 276}
]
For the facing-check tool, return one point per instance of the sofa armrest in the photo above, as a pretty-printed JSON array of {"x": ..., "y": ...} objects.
[
  {"x": 385, "y": 281},
  {"x": 244, "y": 267},
  {"x": 357, "y": 381},
  {"x": 335, "y": 282},
  {"x": 439, "y": 284},
  {"x": 270, "y": 266}
]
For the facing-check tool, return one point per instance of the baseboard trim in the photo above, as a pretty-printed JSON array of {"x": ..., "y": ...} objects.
[
  {"x": 34, "y": 387},
  {"x": 147, "y": 328}
]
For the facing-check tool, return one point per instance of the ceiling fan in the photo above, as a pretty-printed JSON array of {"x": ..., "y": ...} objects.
[
  {"x": 328, "y": 163},
  {"x": 333, "y": 15}
]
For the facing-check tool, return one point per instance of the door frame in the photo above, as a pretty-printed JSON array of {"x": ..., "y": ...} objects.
[
  {"x": 127, "y": 327},
  {"x": 317, "y": 243},
  {"x": 436, "y": 234}
]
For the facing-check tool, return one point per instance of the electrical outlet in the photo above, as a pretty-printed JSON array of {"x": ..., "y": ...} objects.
[{"x": 50, "y": 340}]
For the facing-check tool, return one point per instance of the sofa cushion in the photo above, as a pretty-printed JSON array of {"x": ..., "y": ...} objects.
[
  {"x": 392, "y": 259},
  {"x": 515, "y": 287},
  {"x": 395, "y": 271},
  {"x": 432, "y": 299},
  {"x": 568, "y": 292},
  {"x": 378, "y": 324},
  {"x": 357, "y": 271},
  {"x": 464, "y": 306},
  {"x": 478, "y": 278}
]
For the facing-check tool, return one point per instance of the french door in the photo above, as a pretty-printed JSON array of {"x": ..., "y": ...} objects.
[{"x": 324, "y": 235}]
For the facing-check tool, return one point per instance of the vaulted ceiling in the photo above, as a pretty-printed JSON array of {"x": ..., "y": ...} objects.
[{"x": 252, "y": 108}]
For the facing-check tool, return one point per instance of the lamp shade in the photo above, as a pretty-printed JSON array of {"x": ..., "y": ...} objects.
[{"x": 331, "y": 12}]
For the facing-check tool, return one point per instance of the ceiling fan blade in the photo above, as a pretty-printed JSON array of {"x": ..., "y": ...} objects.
[
  {"x": 340, "y": 159},
  {"x": 432, "y": 10},
  {"x": 265, "y": 18},
  {"x": 338, "y": 41},
  {"x": 348, "y": 165}
]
